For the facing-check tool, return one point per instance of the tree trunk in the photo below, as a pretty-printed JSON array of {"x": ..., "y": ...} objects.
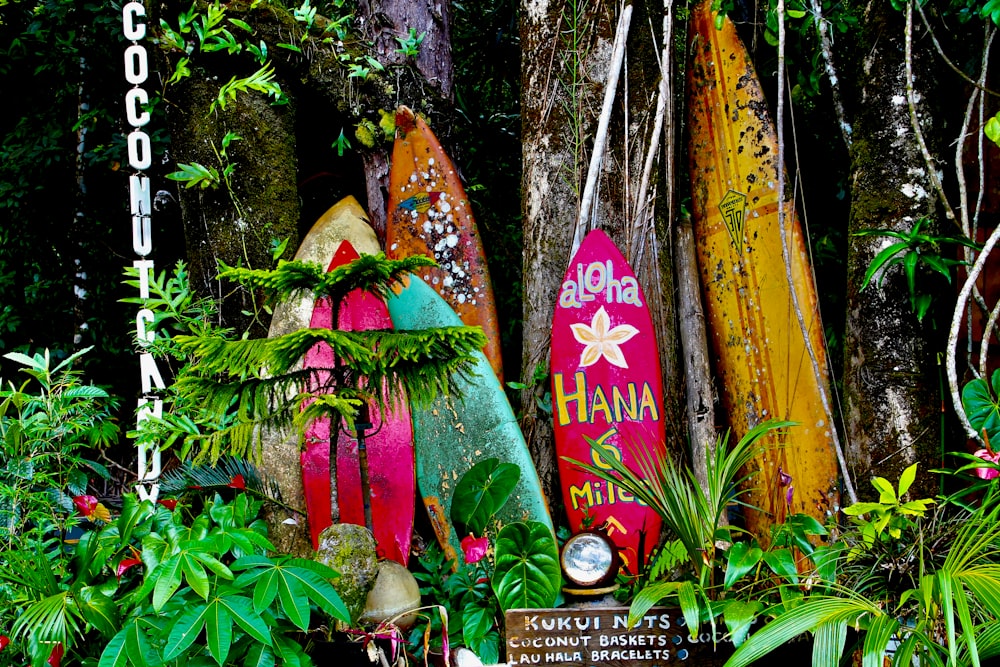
[
  {"x": 891, "y": 379},
  {"x": 563, "y": 83}
]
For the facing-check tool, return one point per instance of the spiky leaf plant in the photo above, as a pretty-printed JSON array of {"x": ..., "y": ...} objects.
[{"x": 240, "y": 388}]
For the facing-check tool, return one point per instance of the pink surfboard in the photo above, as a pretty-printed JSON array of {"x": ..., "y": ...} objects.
[
  {"x": 389, "y": 448},
  {"x": 606, "y": 386}
]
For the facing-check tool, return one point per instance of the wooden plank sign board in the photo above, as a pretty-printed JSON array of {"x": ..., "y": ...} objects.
[
  {"x": 599, "y": 637},
  {"x": 606, "y": 386}
]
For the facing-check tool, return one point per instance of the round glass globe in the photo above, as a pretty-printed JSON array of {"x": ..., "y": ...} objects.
[{"x": 587, "y": 559}]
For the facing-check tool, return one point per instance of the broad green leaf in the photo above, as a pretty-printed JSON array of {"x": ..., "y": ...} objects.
[
  {"x": 289, "y": 650},
  {"x": 243, "y": 613},
  {"x": 740, "y": 559},
  {"x": 739, "y": 616},
  {"x": 218, "y": 631},
  {"x": 266, "y": 590},
  {"x": 98, "y": 609},
  {"x": 259, "y": 656},
  {"x": 320, "y": 591},
  {"x": 476, "y": 622},
  {"x": 168, "y": 580},
  {"x": 195, "y": 575},
  {"x": 480, "y": 494},
  {"x": 527, "y": 573},
  {"x": 133, "y": 513},
  {"x": 115, "y": 654},
  {"x": 906, "y": 479},
  {"x": 185, "y": 630},
  {"x": 688, "y": 600},
  {"x": 294, "y": 602},
  {"x": 140, "y": 651},
  {"x": 213, "y": 564},
  {"x": 782, "y": 563},
  {"x": 887, "y": 494},
  {"x": 857, "y": 509},
  {"x": 982, "y": 407}
]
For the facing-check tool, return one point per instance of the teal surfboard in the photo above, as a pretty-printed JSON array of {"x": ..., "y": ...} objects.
[{"x": 454, "y": 434}]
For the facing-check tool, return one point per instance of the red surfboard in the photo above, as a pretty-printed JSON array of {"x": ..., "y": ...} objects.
[
  {"x": 389, "y": 447},
  {"x": 606, "y": 386}
]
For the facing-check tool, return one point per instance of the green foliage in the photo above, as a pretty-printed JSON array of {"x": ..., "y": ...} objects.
[
  {"x": 941, "y": 606},
  {"x": 48, "y": 427},
  {"x": 992, "y": 129},
  {"x": 472, "y": 612},
  {"x": 261, "y": 81},
  {"x": 474, "y": 593},
  {"x": 228, "y": 390},
  {"x": 982, "y": 406},
  {"x": 690, "y": 514},
  {"x": 409, "y": 46},
  {"x": 526, "y": 574},
  {"x": 913, "y": 249},
  {"x": 483, "y": 490},
  {"x": 890, "y": 516},
  {"x": 153, "y": 586}
]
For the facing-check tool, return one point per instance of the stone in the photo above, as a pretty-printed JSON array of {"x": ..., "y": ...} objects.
[
  {"x": 350, "y": 550},
  {"x": 395, "y": 592}
]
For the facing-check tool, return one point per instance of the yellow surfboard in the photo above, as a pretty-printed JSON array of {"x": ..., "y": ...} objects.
[{"x": 762, "y": 360}]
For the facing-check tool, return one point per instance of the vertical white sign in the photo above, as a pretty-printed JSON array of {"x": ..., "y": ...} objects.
[{"x": 140, "y": 157}]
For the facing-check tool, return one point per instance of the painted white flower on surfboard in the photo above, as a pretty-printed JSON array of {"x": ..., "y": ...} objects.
[{"x": 601, "y": 340}]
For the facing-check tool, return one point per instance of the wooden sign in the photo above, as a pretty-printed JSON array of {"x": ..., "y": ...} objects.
[{"x": 600, "y": 637}]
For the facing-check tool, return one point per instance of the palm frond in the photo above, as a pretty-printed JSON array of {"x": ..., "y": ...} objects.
[
  {"x": 372, "y": 273},
  {"x": 220, "y": 475},
  {"x": 692, "y": 514}
]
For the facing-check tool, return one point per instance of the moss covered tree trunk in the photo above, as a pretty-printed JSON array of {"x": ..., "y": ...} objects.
[
  {"x": 893, "y": 408},
  {"x": 567, "y": 49},
  {"x": 286, "y": 168}
]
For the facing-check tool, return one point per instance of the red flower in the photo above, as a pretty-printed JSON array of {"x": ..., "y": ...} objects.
[
  {"x": 237, "y": 482},
  {"x": 992, "y": 457},
  {"x": 474, "y": 548},
  {"x": 125, "y": 565},
  {"x": 4, "y": 640},
  {"x": 169, "y": 503},
  {"x": 56, "y": 656},
  {"x": 86, "y": 505}
]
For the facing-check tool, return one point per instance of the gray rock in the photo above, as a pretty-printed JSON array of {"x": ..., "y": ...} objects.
[{"x": 350, "y": 550}]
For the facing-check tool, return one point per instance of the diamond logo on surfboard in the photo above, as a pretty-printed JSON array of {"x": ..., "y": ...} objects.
[{"x": 733, "y": 208}]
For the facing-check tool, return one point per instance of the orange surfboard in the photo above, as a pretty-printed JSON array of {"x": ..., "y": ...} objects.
[
  {"x": 762, "y": 361},
  {"x": 429, "y": 214}
]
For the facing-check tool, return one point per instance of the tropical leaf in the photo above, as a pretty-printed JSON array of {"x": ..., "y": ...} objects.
[
  {"x": 218, "y": 631},
  {"x": 646, "y": 598},
  {"x": 185, "y": 630},
  {"x": 295, "y": 582},
  {"x": 739, "y": 615},
  {"x": 828, "y": 642},
  {"x": 740, "y": 559},
  {"x": 809, "y": 615},
  {"x": 527, "y": 573},
  {"x": 982, "y": 405},
  {"x": 480, "y": 494}
]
